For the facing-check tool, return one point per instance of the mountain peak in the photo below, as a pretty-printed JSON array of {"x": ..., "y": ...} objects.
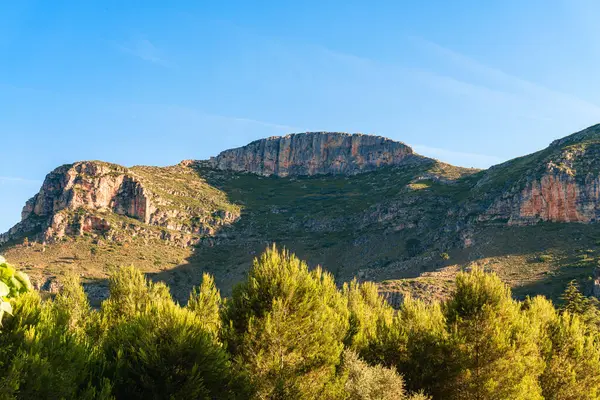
[{"x": 314, "y": 153}]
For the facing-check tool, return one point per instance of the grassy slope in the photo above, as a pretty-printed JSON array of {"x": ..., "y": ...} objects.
[{"x": 539, "y": 259}]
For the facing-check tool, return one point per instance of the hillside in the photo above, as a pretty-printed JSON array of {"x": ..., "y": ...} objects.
[{"x": 359, "y": 205}]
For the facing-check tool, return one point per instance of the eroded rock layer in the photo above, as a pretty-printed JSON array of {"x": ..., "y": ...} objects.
[{"x": 314, "y": 153}]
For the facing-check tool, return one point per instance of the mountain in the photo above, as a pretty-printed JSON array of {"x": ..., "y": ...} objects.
[{"x": 360, "y": 205}]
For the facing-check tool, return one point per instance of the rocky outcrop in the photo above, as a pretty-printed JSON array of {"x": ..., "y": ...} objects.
[
  {"x": 314, "y": 153},
  {"x": 91, "y": 185}
]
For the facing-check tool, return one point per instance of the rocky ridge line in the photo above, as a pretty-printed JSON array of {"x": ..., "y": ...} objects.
[{"x": 314, "y": 153}]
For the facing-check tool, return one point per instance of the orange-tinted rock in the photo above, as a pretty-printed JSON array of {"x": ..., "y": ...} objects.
[
  {"x": 555, "y": 197},
  {"x": 314, "y": 153}
]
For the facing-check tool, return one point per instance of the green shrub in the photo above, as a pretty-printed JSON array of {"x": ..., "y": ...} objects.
[
  {"x": 366, "y": 382},
  {"x": 46, "y": 358},
  {"x": 544, "y": 258},
  {"x": 154, "y": 349}
]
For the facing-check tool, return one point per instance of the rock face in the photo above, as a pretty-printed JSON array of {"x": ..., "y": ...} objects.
[
  {"x": 554, "y": 197},
  {"x": 314, "y": 153},
  {"x": 560, "y": 184},
  {"x": 560, "y": 198},
  {"x": 91, "y": 185}
]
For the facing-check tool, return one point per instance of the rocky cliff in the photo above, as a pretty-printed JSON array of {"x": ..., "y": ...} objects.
[{"x": 314, "y": 153}]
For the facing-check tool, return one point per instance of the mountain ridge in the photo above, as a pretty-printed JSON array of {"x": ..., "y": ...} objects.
[{"x": 364, "y": 206}]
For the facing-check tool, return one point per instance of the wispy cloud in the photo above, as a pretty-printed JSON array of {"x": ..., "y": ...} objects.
[
  {"x": 195, "y": 113},
  {"x": 510, "y": 84},
  {"x": 286, "y": 128},
  {"x": 458, "y": 157},
  {"x": 16, "y": 179},
  {"x": 145, "y": 50}
]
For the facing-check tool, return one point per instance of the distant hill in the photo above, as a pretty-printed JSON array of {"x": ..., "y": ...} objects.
[{"x": 360, "y": 205}]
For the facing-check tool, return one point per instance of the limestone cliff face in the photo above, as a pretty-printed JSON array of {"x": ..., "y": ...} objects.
[
  {"x": 314, "y": 153},
  {"x": 91, "y": 185}
]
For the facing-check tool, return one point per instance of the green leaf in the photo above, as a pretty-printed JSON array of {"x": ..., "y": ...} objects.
[
  {"x": 24, "y": 279},
  {"x": 4, "y": 290},
  {"x": 6, "y": 272},
  {"x": 6, "y": 307},
  {"x": 16, "y": 285}
]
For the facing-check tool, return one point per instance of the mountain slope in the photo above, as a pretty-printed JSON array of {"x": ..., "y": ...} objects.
[{"x": 359, "y": 205}]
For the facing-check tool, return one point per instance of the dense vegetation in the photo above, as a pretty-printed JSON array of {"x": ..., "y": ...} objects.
[{"x": 289, "y": 332}]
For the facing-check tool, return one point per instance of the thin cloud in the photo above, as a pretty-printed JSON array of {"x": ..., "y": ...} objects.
[
  {"x": 510, "y": 83},
  {"x": 287, "y": 128},
  {"x": 189, "y": 111},
  {"x": 16, "y": 179},
  {"x": 145, "y": 50},
  {"x": 458, "y": 157}
]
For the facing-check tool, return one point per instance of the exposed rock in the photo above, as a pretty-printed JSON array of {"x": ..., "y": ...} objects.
[{"x": 314, "y": 153}]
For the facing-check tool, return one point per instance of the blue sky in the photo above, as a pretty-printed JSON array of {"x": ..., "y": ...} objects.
[{"x": 469, "y": 82}]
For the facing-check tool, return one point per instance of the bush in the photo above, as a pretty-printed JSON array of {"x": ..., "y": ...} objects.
[
  {"x": 366, "y": 382},
  {"x": 154, "y": 349},
  {"x": 46, "y": 357}
]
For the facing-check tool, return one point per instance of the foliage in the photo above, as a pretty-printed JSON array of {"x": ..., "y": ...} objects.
[
  {"x": 371, "y": 382},
  {"x": 288, "y": 332},
  {"x": 587, "y": 308},
  {"x": 494, "y": 348},
  {"x": 367, "y": 310},
  {"x": 12, "y": 284},
  {"x": 153, "y": 348},
  {"x": 206, "y": 302},
  {"x": 45, "y": 357},
  {"x": 572, "y": 360},
  {"x": 286, "y": 326}
]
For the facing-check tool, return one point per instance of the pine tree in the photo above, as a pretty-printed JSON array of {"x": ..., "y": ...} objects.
[
  {"x": 287, "y": 325},
  {"x": 367, "y": 310},
  {"x": 155, "y": 349},
  {"x": 588, "y": 308},
  {"x": 206, "y": 302},
  {"x": 570, "y": 351},
  {"x": 574, "y": 301},
  {"x": 494, "y": 353}
]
